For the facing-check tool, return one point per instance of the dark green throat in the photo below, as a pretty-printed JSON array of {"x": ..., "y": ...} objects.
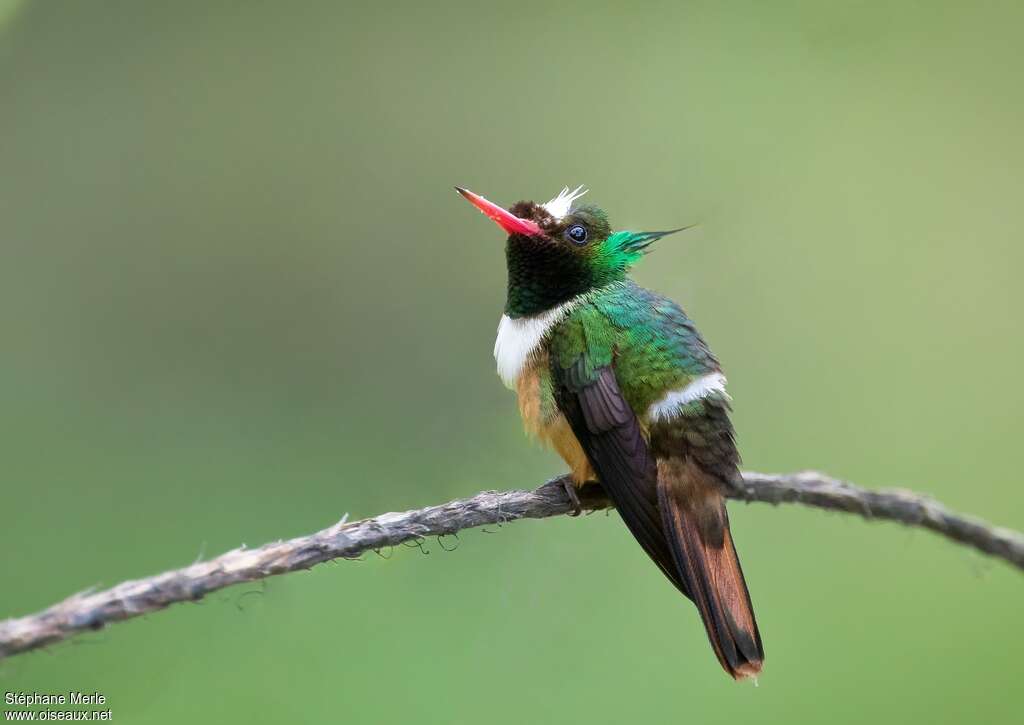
[{"x": 542, "y": 276}]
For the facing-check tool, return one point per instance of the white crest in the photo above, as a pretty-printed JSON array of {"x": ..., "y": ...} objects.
[
  {"x": 560, "y": 205},
  {"x": 698, "y": 388}
]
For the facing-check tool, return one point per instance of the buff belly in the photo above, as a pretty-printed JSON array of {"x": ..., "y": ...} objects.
[{"x": 545, "y": 422}]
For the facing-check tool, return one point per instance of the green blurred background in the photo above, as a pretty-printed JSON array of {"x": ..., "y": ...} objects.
[{"x": 239, "y": 298}]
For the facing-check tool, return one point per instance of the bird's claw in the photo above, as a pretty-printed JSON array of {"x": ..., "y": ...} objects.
[{"x": 574, "y": 498}]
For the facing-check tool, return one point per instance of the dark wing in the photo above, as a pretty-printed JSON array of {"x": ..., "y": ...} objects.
[{"x": 610, "y": 435}]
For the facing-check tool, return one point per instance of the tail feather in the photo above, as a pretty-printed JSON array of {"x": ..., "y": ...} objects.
[{"x": 697, "y": 528}]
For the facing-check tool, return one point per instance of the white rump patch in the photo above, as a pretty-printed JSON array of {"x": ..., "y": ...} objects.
[
  {"x": 702, "y": 387},
  {"x": 560, "y": 205},
  {"x": 519, "y": 337}
]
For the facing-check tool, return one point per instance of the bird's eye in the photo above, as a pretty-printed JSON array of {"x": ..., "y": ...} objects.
[{"x": 577, "y": 233}]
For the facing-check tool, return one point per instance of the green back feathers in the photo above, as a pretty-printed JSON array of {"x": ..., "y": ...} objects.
[{"x": 655, "y": 347}]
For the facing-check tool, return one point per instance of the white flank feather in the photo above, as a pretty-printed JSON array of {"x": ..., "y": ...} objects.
[{"x": 702, "y": 387}]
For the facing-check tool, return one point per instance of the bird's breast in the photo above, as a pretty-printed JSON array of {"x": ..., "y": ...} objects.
[
  {"x": 542, "y": 418},
  {"x": 520, "y": 337}
]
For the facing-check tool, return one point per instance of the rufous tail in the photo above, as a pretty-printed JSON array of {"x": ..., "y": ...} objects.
[{"x": 697, "y": 529}]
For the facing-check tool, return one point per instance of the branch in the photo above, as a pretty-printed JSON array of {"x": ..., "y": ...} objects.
[{"x": 94, "y": 610}]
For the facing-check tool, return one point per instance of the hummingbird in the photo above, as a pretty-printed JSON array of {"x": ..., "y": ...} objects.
[{"x": 618, "y": 380}]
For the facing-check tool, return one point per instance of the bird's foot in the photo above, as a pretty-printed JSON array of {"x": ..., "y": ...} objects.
[{"x": 574, "y": 498}]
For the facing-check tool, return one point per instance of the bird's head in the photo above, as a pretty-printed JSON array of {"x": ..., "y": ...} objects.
[{"x": 556, "y": 252}]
